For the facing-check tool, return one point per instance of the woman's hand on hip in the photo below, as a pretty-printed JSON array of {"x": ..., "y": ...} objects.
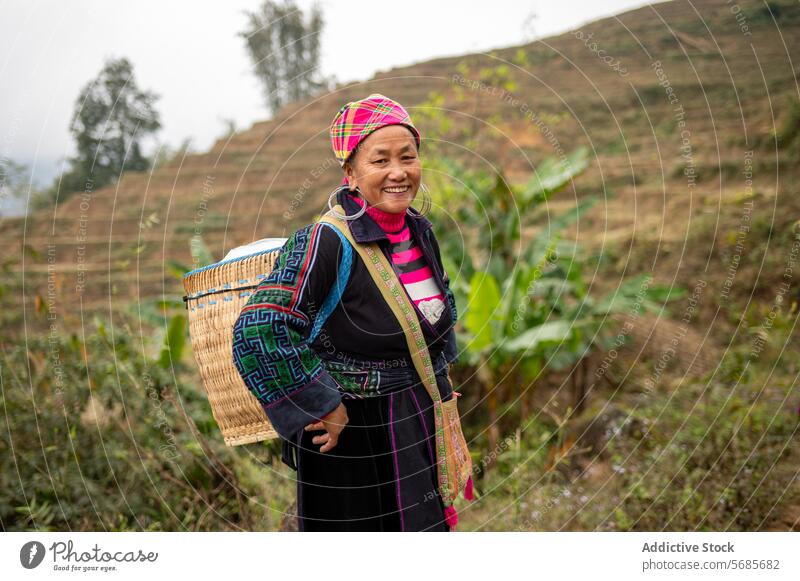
[{"x": 333, "y": 424}]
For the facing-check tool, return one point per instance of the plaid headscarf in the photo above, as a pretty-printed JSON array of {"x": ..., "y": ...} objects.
[{"x": 356, "y": 120}]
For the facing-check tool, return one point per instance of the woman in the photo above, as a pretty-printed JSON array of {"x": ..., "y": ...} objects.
[{"x": 355, "y": 420}]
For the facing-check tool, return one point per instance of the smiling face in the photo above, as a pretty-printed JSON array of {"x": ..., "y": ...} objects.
[{"x": 386, "y": 168}]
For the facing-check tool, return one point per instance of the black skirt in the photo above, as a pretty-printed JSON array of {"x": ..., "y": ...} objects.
[{"x": 381, "y": 475}]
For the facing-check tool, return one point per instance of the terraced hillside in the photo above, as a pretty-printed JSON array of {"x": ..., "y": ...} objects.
[
  {"x": 675, "y": 106},
  {"x": 691, "y": 112}
]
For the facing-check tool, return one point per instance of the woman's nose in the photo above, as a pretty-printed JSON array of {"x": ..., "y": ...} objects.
[{"x": 397, "y": 172}]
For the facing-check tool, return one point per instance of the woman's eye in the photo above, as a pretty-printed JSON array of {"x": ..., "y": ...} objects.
[{"x": 379, "y": 161}]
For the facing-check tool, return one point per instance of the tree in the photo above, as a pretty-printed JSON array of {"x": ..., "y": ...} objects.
[
  {"x": 112, "y": 117},
  {"x": 15, "y": 183},
  {"x": 18, "y": 189},
  {"x": 284, "y": 46}
]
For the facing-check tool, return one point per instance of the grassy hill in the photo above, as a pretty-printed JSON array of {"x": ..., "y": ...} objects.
[{"x": 733, "y": 88}]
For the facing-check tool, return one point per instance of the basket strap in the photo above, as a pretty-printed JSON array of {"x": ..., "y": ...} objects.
[{"x": 333, "y": 298}]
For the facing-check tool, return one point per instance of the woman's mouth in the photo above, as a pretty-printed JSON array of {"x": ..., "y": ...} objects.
[{"x": 397, "y": 189}]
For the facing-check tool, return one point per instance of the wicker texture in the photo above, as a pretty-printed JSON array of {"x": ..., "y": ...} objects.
[{"x": 215, "y": 296}]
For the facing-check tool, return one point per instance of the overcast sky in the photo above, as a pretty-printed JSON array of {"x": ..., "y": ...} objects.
[{"x": 188, "y": 52}]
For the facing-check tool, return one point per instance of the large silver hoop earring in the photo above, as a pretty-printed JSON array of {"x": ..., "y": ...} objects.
[
  {"x": 426, "y": 203},
  {"x": 346, "y": 218}
]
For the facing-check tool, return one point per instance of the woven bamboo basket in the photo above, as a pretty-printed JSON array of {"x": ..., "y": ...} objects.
[{"x": 215, "y": 295}]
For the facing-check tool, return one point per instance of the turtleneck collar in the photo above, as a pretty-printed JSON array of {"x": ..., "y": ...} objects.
[{"x": 388, "y": 221}]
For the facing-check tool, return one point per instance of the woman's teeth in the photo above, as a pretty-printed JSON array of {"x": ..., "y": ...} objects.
[{"x": 396, "y": 190}]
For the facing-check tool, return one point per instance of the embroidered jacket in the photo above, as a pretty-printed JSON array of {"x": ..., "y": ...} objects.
[{"x": 361, "y": 348}]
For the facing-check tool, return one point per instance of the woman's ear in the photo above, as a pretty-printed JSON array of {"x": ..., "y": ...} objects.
[{"x": 350, "y": 174}]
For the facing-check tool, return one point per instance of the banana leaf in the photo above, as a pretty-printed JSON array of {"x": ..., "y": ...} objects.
[
  {"x": 553, "y": 175},
  {"x": 174, "y": 342},
  {"x": 483, "y": 316},
  {"x": 552, "y": 332}
]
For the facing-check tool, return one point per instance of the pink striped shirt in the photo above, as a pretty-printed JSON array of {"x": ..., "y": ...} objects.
[{"x": 414, "y": 272}]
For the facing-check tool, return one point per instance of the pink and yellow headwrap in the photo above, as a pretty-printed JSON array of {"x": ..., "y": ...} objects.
[{"x": 356, "y": 120}]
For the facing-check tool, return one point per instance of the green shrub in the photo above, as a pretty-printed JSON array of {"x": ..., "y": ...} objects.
[{"x": 100, "y": 436}]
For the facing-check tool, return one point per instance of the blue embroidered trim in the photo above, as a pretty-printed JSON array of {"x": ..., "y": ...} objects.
[
  {"x": 230, "y": 261},
  {"x": 338, "y": 288}
]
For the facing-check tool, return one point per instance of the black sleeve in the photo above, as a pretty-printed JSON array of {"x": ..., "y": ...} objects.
[{"x": 269, "y": 346}]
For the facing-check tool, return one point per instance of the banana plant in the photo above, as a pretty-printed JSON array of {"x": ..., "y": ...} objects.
[{"x": 527, "y": 307}]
